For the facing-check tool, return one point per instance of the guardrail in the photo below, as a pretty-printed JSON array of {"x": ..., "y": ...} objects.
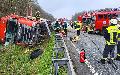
[{"x": 61, "y": 46}]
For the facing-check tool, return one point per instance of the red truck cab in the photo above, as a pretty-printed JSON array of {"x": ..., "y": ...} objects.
[{"x": 102, "y": 19}]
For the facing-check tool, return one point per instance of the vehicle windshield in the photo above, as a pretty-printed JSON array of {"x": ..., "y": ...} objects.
[{"x": 100, "y": 17}]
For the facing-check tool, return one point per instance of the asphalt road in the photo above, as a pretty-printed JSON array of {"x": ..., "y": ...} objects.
[{"x": 94, "y": 46}]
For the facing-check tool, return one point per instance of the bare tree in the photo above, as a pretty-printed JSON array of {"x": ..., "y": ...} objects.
[{"x": 20, "y": 7}]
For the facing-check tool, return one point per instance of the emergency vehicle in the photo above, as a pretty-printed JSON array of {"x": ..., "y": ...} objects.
[
  {"x": 99, "y": 20},
  {"x": 102, "y": 20}
]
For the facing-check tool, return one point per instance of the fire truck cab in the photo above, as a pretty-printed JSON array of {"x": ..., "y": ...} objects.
[
  {"x": 96, "y": 22},
  {"x": 102, "y": 20}
]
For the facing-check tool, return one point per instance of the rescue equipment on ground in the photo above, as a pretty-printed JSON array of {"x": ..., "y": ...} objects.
[{"x": 75, "y": 38}]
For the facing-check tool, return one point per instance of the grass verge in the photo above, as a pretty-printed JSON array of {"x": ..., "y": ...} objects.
[{"x": 14, "y": 60}]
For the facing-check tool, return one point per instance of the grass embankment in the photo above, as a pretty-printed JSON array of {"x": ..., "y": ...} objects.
[
  {"x": 0, "y": 45},
  {"x": 14, "y": 60}
]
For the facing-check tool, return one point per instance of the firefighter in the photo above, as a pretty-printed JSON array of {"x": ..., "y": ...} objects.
[
  {"x": 78, "y": 28},
  {"x": 65, "y": 28},
  {"x": 71, "y": 24},
  {"x": 110, "y": 35},
  {"x": 75, "y": 24},
  {"x": 57, "y": 27},
  {"x": 37, "y": 15}
]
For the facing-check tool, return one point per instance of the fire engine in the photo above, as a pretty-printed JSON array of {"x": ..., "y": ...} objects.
[{"x": 97, "y": 21}]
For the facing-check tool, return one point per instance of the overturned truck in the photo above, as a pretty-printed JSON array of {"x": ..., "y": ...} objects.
[{"x": 22, "y": 31}]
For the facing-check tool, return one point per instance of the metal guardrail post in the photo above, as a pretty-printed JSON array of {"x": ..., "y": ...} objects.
[{"x": 64, "y": 61}]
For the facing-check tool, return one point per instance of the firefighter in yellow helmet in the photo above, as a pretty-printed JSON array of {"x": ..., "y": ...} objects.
[{"x": 110, "y": 36}]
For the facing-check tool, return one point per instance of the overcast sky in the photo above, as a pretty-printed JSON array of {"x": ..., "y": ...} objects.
[{"x": 67, "y": 8}]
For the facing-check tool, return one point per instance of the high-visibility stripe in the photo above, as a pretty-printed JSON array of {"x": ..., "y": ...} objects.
[
  {"x": 112, "y": 58},
  {"x": 104, "y": 58},
  {"x": 118, "y": 55},
  {"x": 77, "y": 29},
  {"x": 109, "y": 43},
  {"x": 112, "y": 30},
  {"x": 118, "y": 35},
  {"x": 118, "y": 39}
]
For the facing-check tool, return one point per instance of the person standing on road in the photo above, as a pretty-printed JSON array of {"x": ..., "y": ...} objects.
[
  {"x": 110, "y": 36},
  {"x": 71, "y": 24},
  {"x": 65, "y": 28},
  {"x": 78, "y": 28},
  {"x": 75, "y": 24}
]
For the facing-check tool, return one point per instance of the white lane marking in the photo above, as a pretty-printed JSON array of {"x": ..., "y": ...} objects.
[{"x": 92, "y": 69}]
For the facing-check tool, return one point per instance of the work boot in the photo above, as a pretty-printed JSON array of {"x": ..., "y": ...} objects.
[
  {"x": 71, "y": 38},
  {"x": 102, "y": 61},
  {"x": 117, "y": 58}
]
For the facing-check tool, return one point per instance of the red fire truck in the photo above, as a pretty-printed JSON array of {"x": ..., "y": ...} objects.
[{"x": 100, "y": 20}]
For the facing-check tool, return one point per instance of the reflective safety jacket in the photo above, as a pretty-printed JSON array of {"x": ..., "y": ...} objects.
[
  {"x": 78, "y": 25},
  {"x": 118, "y": 35},
  {"x": 56, "y": 26},
  {"x": 110, "y": 35},
  {"x": 75, "y": 24}
]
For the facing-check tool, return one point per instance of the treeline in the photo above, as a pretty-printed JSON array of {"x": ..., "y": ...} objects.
[
  {"x": 75, "y": 16},
  {"x": 20, "y": 8}
]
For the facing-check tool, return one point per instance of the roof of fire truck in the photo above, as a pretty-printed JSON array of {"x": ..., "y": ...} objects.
[
  {"x": 86, "y": 16},
  {"x": 107, "y": 12}
]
